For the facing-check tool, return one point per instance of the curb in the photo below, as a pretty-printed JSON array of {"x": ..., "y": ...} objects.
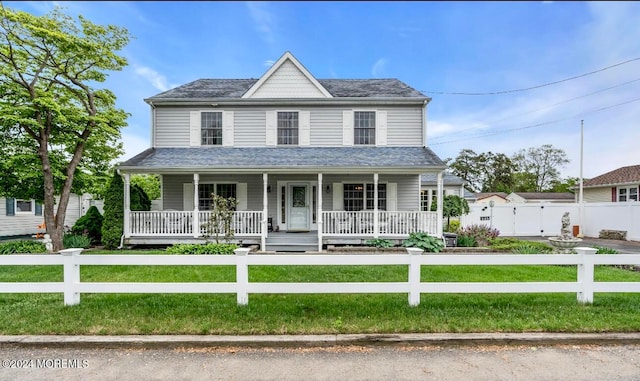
[{"x": 293, "y": 341}]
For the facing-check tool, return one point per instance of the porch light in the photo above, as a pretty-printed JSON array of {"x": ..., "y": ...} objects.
[
  {"x": 328, "y": 188},
  {"x": 268, "y": 188}
]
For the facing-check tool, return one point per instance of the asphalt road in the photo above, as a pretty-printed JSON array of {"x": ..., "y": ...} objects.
[{"x": 480, "y": 362}]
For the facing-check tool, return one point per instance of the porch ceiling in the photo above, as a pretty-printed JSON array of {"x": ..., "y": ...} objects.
[{"x": 285, "y": 159}]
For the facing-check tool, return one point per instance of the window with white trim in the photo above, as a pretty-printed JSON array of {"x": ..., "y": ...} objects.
[
  {"x": 364, "y": 127},
  {"x": 206, "y": 192},
  {"x": 355, "y": 198},
  {"x": 211, "y": 128},
  {"x": 628, "y": 194},
  {"x": 24, "y": 206},
  {"x": 288, "y": 123}
]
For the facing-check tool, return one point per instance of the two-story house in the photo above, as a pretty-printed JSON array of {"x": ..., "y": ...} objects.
[{"x": 340, "y": 159}]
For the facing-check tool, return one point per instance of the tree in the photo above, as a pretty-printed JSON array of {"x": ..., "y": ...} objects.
[
  {"x": 452, "y": 206},
  {"x": 113, "y": 222},
  {"x": 150, "y": 184},
  {"x": 56, "y": 126},
  {"x": 484, "y": 172},
  {"x": 139, "y": 199},
  {"x": 541, "y": 166}
]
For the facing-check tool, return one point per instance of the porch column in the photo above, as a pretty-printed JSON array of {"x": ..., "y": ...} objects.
[
  {"x": 440, "y": 201},
  {"x": 319, "y": 213},
  {"x": 127, "y": 205},
  {"x": 196, "y": 223},
  {"x": 265, "y": 211},
  {"x": 376, "y": 216}
]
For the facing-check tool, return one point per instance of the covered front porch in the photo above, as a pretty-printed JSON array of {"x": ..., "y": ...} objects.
[{"x": 337, "y": 194}]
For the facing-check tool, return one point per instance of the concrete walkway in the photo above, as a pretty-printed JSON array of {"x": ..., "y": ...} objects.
[{"x": 288, "y": 341}]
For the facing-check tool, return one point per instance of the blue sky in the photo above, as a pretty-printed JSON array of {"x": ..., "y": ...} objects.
[{"x": 435, "y": 47}]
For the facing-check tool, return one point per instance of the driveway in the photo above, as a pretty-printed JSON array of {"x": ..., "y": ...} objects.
[{"x": 623, "y": 247}]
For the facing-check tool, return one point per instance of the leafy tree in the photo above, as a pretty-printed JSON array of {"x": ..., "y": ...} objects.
[
  {"x": 484, "y": 172},
  {"x": 113, "y": 222},
  {"x": 569, "y": 184},
  {"x": 541, "y": 164},
  {"x": 150, "y": 184},
  {"x": 454, "y": 206},
  {"x": 57, "y": 127}
]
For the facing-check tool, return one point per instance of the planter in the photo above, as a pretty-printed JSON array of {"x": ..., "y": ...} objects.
[{"x": 451, "y": 239}]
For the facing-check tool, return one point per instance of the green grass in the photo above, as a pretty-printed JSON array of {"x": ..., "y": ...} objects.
[{"x": 106, "y": 314}]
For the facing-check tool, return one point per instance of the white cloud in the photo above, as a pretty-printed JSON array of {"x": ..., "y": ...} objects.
[
  {"x": 264, "y": 20},
  {"x": 269, "y": 63},
  {"x": 156, "y": 79},
  {"x": 377, "y": 70}
]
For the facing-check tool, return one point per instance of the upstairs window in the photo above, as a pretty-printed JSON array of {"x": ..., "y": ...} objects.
[
  {"x": 288, "y": 128},
  {"x": 211, "y": 128},
  {"x": 364, "y": 127}
]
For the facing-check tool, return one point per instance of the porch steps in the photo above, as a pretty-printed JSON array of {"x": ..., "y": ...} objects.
[{"x": 292, "y": 242}]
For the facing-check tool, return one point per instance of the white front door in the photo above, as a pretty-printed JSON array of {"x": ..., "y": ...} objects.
[{"x": 299, "y": 207}]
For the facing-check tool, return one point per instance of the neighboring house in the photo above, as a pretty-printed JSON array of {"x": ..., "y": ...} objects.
[
  {"x": 619, "y": 185},
  {"x": 22, "y": 217},
  {"x": 452, "y": 185},
  {"x": 522, "y": 197},
  {"x": 338, "y": 158},
  {"x": 496, "y": 197}
]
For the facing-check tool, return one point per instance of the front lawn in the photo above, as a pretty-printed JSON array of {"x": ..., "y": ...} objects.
[{"x": 107, "y": 314}]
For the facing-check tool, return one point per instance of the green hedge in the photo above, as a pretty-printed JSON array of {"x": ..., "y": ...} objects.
[
  {"x": 22, "y": 247},
  {"x": 208, "y": 248}
]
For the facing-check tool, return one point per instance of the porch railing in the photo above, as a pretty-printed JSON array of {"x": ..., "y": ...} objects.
[
  {"x": 180, "y": 223},
  {"x": 342, "y": 223}
]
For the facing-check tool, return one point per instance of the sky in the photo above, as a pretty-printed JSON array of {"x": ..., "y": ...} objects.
[{"x": 503, "y": 76}]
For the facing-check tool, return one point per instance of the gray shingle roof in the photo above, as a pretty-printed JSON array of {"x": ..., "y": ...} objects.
[
  {"x": 225, "y": 158},
  {"x": 546, "y": 195},
  {"x": 339, "y": 88},
  {"x": 447, "y": 179}
]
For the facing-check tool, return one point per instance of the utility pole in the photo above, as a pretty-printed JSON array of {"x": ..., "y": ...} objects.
[{"x": 581, "y": 196}]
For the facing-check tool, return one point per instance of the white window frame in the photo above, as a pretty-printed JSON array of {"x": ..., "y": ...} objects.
[
  {"x": 215, "y": 189},
  {"x": 297, "y": 128},
  {"x": 17, "y": 212},
  {"x": 375, "y": 128},
  {"x": 627, "y": 193},
  {"x": 364, "y": 193},
  {"x": 221, "y": 128}
]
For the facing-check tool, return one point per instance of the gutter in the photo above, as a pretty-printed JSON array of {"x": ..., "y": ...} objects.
[{"x": 287, "y": 101}]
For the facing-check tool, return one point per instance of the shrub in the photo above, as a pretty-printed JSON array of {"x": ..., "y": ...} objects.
[
  {"x": 453, "y": 226},
  {"x": 22, "y": 247},
  {"x": 197, "y": 248},
  {"x": 424, "y": 241},
  {"x": 531, "y": 247},
  {"x": 481, "y": 233},
  {"x": 113, "y": 223},
  {"x": 139, "y": 198},
  {"x": 76, "y": 241},
  {"x": 605, "y": 250},
  {"x": 380, "y": 243},
  {"x": 90, "y": 224},
  {"x": 466, "y": 241}
]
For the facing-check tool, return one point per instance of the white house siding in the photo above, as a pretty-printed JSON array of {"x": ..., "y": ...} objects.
[
  {"x": 172, "y": 127},
  {"x": 326, "y": 127},
  {"x": 249, "y": 128},
  {"x": 596, "y": 194},
  {"x": 288, "y": 82},
  {"x": 404, "y": 126},
  {"x": 21, "y": 224}
]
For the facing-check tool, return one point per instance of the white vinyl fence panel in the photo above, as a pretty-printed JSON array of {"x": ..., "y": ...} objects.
[
  {"x": 72, "y": 287},
  {"x": 544, "y": 219}
]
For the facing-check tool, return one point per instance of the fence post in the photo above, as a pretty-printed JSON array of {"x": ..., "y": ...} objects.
[
  {"x": 242, "y": 275},
  {"x": 71, "y": 276},
  {"x": 414, "y": 275},
  {"x": 585, "y": 274}
]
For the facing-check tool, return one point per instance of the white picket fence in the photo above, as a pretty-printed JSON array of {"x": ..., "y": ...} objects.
[
  {"x": 72, "y": 287},
  {"x": 544, "y": 219}
]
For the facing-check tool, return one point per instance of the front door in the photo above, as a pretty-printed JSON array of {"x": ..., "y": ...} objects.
[{"x": 299, "y": 207}]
